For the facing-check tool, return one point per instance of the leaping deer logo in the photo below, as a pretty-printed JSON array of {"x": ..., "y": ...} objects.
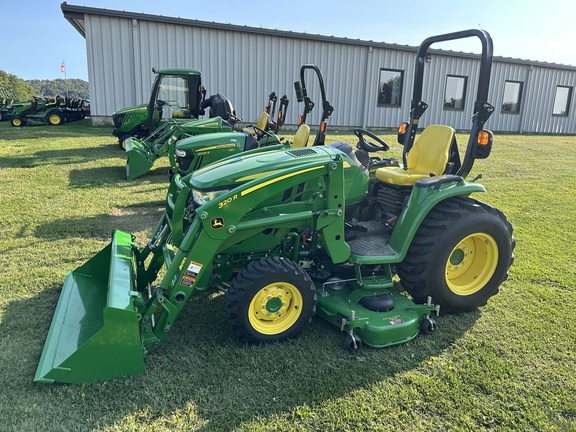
[{"x": 217, "y": 222}]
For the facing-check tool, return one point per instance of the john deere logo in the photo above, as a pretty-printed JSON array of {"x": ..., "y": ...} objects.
[{"x": 217, "y": 222}]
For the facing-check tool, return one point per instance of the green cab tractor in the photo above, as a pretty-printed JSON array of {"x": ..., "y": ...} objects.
[
  {"x": 292, "y": 233},
  {"x": 176, "y": 94}
]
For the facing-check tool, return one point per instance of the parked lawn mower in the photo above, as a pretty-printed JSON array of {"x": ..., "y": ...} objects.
[
  {"x": 176, "y": 94},
  {"x": 40, "y": 111},
  {"x": 292, "y": 233}
]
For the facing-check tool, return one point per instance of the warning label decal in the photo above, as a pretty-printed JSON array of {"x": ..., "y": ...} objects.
[{"x": 191, "y": 274}]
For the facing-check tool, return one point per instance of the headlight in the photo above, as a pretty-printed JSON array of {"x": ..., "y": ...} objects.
[
  {"x": 118, "y": 119},
  {"x": 203, "y": 197}
]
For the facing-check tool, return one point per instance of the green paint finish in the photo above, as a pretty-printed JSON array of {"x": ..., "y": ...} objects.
[{"x": 95, "y": 332}]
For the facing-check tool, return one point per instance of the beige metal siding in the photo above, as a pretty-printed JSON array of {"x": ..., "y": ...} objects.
[{"x": 247, "y": 65}]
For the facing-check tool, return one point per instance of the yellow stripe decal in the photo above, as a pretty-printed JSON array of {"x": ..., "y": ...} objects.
[
  {"x": 261, "y": 185},
  {"x": 255, "y": 176},
  {"x": 217, "y": 147}
]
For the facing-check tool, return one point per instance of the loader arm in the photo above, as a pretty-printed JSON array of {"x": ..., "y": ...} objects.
[{"x": 216, "y": 225}]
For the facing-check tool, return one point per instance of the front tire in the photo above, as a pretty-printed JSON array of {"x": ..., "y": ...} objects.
[
  {"x": 270, "y": 300},
  {"x": 459, "y": 256},
  {"x": 17, "y": 122},
  {"x": 122, "y": 141}
]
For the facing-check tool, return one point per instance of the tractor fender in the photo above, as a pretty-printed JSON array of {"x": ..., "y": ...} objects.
[{"x": 425, "y": 195}]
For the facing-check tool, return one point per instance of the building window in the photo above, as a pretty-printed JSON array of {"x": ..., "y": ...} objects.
[
  {"x": 455, "y": 94},
  {"x": 512, "y": 97},
  {"x": 390, "y": 87},
  {"x": 562, "y": 101}
]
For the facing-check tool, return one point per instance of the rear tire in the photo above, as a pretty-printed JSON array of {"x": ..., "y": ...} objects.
[
  {"x": 55, "y": 119},
  {"x": 459, "y": 256},
  {"x": 270, "y": 300}
]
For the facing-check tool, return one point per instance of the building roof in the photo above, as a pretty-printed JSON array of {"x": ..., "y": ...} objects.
[{"x": 75, "y": 16}]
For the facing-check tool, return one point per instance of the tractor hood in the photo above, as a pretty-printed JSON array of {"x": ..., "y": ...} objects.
[
  {"x": 233, "y": 171},
  {"x": 236, "y": 170},
  {"x": 208, "y": 141},
  {"x": 131, "y": 110},
  {"x": 213, "y": 122}
]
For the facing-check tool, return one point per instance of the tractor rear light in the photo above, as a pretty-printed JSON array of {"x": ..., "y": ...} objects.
[
  {"x": 323, "y": 127},
  {"x": 300, "y": 119},
  {"x": 485, "y": 137},
  {"x": 483, "y": 145},
  {"x": 402, "y": 128}
]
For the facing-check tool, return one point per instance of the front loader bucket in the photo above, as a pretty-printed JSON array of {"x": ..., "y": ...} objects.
[
  {"x": 138, "y": 159},
  {"x": 95, "y": 332}
]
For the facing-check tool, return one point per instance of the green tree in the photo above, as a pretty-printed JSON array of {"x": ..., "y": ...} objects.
[
  {"x": 10, "y": 81},
  {"x": 74, "y": 88}
]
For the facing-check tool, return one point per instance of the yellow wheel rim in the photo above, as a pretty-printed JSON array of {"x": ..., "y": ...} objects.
[
  {"x": 54, "y": 119},
  {"x": 471, "y": 264},
  {"x": 16, "y": 122},
  {"x": 275, "y": 308}
]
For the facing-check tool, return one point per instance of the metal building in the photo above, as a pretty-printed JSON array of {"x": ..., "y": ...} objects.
[{"x": 368, "y": 83}]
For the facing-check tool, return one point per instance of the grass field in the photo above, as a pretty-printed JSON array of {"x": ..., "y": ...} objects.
[{"x": 511, "y": 365}]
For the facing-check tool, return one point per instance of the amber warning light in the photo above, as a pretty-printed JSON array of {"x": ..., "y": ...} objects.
[
  {"x": 402, "y": 128},
  {"x": 485, "y": 137}
]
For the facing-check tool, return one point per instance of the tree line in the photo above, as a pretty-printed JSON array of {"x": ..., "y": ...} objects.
[{"x": 74, "y": 88}]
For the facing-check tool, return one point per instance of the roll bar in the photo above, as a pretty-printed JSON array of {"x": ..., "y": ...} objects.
[
  {"x": 482, "y": 109},
  {"x": 302, "y": 96}
]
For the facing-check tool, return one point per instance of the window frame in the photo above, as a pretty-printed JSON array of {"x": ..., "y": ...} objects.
[
  {"x": 568, "y": 101},
  {"x": 464, "y": 91},
  {"x": 518, "y": 101},
  {"x": 392, "y": 105}
]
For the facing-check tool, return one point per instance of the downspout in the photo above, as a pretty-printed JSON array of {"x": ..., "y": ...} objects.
[
  {"x": 365, "y": 106},
  {"x": 523, "y": 104},
  {"x": 136, "y": 60}
]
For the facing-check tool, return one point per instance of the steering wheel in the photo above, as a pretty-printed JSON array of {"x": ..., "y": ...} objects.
[
  {"x": 368, "y": 146},
  {"x": 261, "y": 132},
  {"x": 234, "y": 118}
]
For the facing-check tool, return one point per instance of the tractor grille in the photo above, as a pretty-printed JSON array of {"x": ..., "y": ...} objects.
[{"x": 302, "y": 152}]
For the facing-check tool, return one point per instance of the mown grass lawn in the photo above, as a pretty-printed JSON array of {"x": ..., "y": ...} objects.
[{"x": 511, "y": 365}]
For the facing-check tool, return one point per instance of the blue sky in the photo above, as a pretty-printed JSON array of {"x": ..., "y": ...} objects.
[{"x": 36, "y": 37}]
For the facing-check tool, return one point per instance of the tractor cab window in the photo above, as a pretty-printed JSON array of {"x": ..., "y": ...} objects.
[{"x": 173, "y": 94}]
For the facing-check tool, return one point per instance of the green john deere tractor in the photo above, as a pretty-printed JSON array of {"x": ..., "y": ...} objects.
[
  {"x": 142, "y": 153},
  {"x": 191, "y": 154},
  {"x": 176, "y": 94},
  {"x": 294, "y": 233}
]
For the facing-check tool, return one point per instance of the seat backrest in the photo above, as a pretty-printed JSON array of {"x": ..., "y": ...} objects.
[
  {"x": 431, "y": 150},
  {"x": 302, "y": 135},
  {"x": 262, "y": 121}
]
